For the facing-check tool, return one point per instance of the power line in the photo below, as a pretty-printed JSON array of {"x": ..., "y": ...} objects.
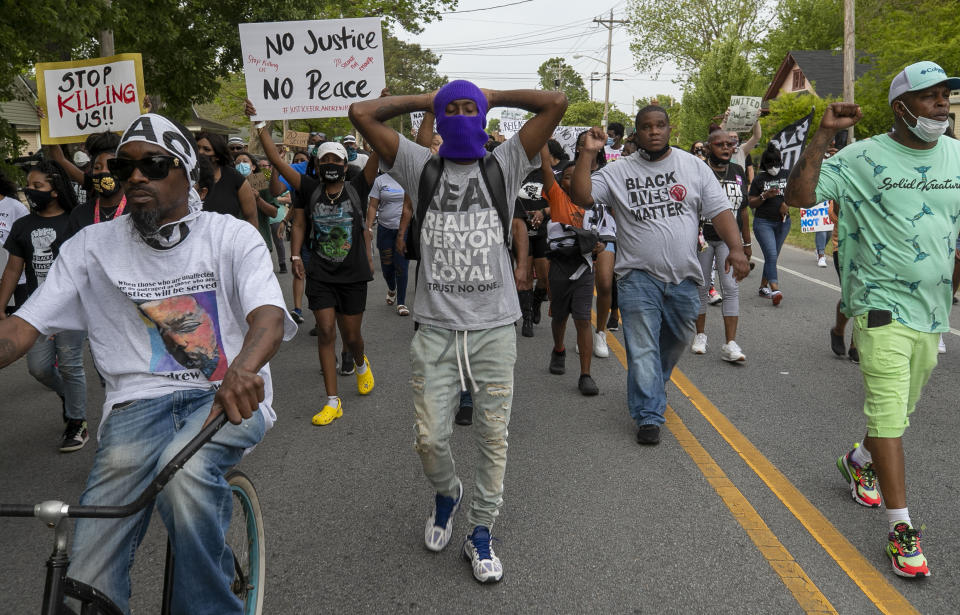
[{"x": 489, "y": 8}]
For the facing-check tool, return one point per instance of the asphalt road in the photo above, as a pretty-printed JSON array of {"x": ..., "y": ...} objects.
[{"x": 740, "y": 509}]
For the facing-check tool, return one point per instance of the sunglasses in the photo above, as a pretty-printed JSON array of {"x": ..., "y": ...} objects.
[
  {"x": 236, "y": 148},
  {"x": 152, "y": 167}
]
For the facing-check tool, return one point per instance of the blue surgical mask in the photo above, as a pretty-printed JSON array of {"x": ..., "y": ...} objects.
[
  {"x": 243, "y": 168},
  {"x": 609, "y": 141}
]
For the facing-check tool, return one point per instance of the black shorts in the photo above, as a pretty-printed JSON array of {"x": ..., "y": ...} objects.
[
  {"x": 571, "y": 297},
  {"x": 538, "y": 246},
  {"x": 348, "y": 298},
  {"x": 836, "y": 264}
]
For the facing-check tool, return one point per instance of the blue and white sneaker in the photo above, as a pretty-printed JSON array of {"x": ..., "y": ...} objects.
[
  {"x": 440, "y": 523},
  {"x": 476, "y": 548}
]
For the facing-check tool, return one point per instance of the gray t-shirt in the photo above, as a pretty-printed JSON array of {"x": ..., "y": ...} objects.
[
  {"x": 390, "y": 194},
  {"x": 658, "y": 206},
  {"x": 465, "y": 280}
]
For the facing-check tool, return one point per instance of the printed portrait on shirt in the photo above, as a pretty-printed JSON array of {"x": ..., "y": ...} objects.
[{"x": 185, "y": 334}]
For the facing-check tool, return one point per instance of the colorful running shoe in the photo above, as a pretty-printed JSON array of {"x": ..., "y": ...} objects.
[
  {"x": 365, "y": 380},
  {"x": 328, "y": 413},
  {"x": 903, "y": 548},
  {"x": 862, "y": 481}
]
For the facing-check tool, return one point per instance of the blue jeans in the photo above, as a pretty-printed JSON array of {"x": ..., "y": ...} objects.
[
  {"x": 136, "y": 441},
  {"x": 393, "y": 264},
  {"x": 659, "y": 320},
  {"x": 770, "y": 235},
  {"x": 58, "y": 365},
  {"x": 821, "y": 238}
]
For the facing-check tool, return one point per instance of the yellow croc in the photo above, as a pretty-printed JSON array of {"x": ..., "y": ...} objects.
[
  {"x": 328, "y": 414},
  {"x": 365, "y": 380}
]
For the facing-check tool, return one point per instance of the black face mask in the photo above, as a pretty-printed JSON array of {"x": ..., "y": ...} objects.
[
  {"x": 330, "y": 172},
  {"x": 40, "y": 199},
  {"x": 105, "y": 184},
  {"x": 716, "y": 160},
  {"x": 647, "y": 154}
]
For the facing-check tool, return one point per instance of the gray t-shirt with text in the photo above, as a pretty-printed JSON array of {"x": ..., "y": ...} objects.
[
  {"x": 658, "y": 206},
  {"x": 465, "y": 280}
]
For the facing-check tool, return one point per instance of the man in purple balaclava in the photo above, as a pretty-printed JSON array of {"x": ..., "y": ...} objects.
[{"x": 466, "y": 302}]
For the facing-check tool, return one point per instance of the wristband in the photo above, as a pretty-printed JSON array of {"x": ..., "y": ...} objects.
[
  {"x": 747, "y": 245},
  {"x": 260, "y": 125},
  {"x": 295, "y": 258}
]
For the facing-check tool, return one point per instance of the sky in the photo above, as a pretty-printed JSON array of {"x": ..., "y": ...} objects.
[{"x": 502, "y": 48}]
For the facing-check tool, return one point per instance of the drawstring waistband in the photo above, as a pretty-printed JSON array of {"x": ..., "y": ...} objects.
[{"x": 466, "y": 359}]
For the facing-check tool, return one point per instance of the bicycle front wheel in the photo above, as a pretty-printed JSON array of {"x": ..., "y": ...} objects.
[{"x": 245, "y": 537}]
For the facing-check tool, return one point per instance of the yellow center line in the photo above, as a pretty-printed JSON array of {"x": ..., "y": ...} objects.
[{"x": 804, "y": 590}]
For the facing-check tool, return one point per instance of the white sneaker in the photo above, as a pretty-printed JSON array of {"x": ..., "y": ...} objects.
[
  {"x": 765, "y": 291},
  {"x": 941, "y": 347},
  {"x": 600, "y": 347},
  {"x": 699, "y": 345},
  {"x": 822, "y": 261},
  {"x": 731, "y": 352},
  {"x": 487, "y": 567},
  {"x": 436, "y": 536}
]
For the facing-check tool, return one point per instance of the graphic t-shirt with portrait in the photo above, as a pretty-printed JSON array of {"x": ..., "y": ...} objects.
[
  {"x": 466, "y": 274},
  {"x": 899, "y": 214},
  {"x": 658, "y": 205},
  {"x": 37, "y": 240},
  {"x": 160, "y": 320},
  {"x": 769, "y": 209},
  {"x": 11, "y": 210},
  {"x": 734, "y": 184},
  {"x": 335, "y": 231}
]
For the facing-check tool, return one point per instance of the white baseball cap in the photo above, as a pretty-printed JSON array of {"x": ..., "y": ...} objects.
[
  {"x": 332, "y": 147},
  {"x": 920, "y": 76},
  {"x": 349, "y": 139}
]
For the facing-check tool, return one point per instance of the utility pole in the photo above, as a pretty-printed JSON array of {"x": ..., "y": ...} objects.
[
  {"x": 609, "y": 25},
  {"x": 106, "y": 36},
  {"x": 849, "y": 56}
]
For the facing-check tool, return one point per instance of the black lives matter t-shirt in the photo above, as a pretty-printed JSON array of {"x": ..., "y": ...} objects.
[
  {"x": 734, "y": 184},
  {"x": 769, "y": 209},
  {"x": 338, "y": 252},
  {"x": 37, "y": 241}
]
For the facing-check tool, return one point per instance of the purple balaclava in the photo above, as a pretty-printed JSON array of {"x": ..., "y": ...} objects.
[{"x": 464, "y": 137}]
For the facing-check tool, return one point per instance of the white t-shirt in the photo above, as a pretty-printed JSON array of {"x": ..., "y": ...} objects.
[
  {"x": 658, "y": 206},
  {"x": 11, "y": 210},
  {"x": 390, "y": 194},
  {"x": 160, "y": 320}
]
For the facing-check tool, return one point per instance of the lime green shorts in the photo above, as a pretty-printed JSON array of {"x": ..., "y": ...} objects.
[{"x": 896, "y": 362}]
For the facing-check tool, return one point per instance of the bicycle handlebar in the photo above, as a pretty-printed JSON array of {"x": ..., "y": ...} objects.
[{"x": 149, "y": 493}]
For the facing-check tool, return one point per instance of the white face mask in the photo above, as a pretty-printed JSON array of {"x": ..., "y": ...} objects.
[
  {"x": 926, "y": 129},
  {"x": 773, "y": 170}
]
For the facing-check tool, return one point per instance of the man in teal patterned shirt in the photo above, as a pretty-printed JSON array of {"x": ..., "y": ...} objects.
[{"x": 898, "y": 196}]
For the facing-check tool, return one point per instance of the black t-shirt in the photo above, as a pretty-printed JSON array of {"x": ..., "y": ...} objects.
[
  {"x": 335, "y": 231},
  {"x": 531, "y": 199},
  {"x": 85, "y": 215},
  {"x": 769, "y": 209},
  {"x": 223, "y": 196},
  {"x": 734, "y": 184},
  {"x": 37, "y": 241}
]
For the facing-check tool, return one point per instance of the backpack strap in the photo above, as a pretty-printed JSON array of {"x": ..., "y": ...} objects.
[
  {"x": 426, "y": 189},
  {"x": 493, "y": 177}
]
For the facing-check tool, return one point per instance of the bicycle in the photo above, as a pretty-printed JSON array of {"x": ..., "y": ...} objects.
[{"x": 245, "y": 536}]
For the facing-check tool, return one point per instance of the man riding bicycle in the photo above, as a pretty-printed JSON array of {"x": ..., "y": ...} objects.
[{"x": 183, "y": 312}]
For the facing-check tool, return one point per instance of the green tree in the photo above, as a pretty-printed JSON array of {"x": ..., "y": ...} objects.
[
  {"x": 493, "y": 125},
  {"x": 788, "y": 108},
  {"x": 556, "y": 74},
  {"x": 801, "y": 24},
  {"x": 590, "y": 113},
  {"x": 724, "y": 72},
  {"x": 684, "y": 31}
]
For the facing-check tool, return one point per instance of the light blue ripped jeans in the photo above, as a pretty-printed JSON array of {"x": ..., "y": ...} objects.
[
  {"x": 490, "y": 356},
  {"x": 136, "y": 441}
]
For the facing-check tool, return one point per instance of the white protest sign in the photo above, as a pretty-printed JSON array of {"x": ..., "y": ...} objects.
[
  {"x": 82, "y": 97},
  {"x": 564, "y": 135},
  {"x": 311, "y": 69},
  {"x": 816, "y": 218},
  {"x": 744, "y": 111},
  {"x": 416, "y": 118}
]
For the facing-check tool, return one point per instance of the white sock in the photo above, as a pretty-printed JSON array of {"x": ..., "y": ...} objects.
[
  {"x": 898, "y": 515},
  {"x": 332, "y": 400},
  {"x": 362, "y": 368},
  {"x": 861, "y": 456}
]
